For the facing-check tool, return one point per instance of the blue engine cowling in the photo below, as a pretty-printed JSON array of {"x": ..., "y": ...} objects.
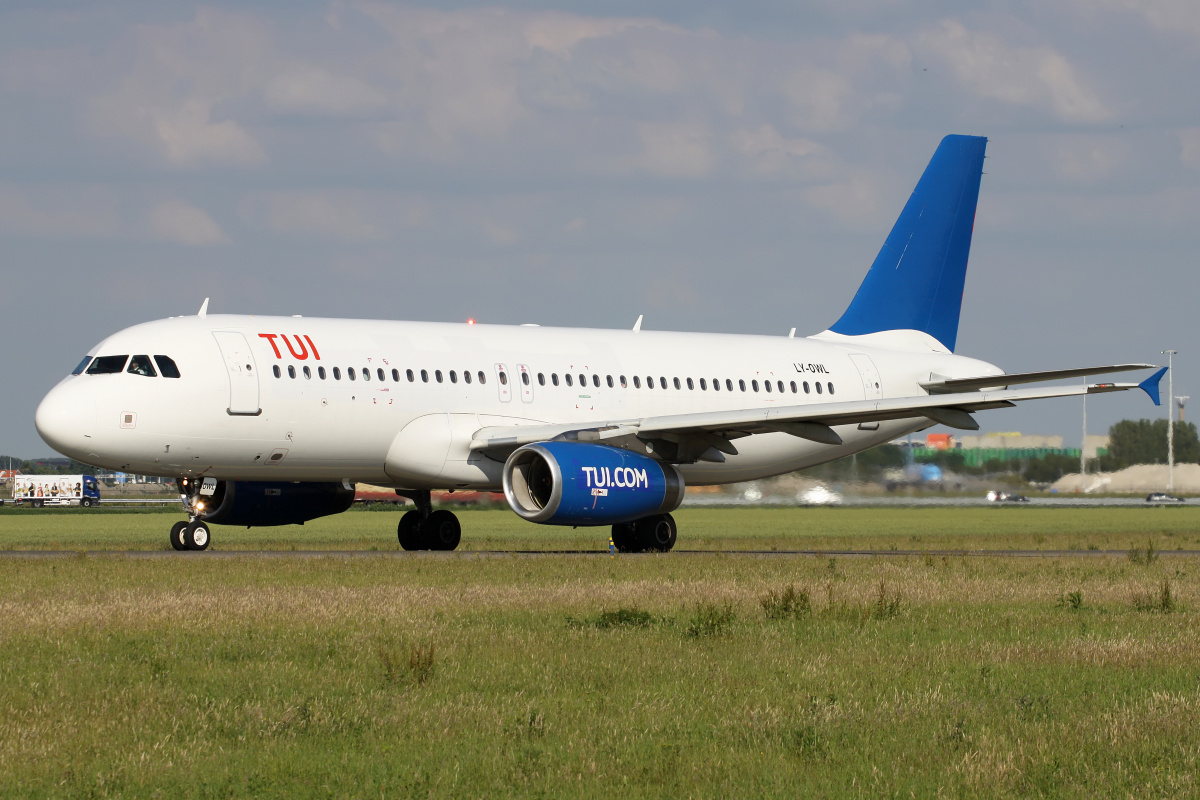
[
  {"x": 568, "y": 483},
  {"x": 262, "y": 504}
]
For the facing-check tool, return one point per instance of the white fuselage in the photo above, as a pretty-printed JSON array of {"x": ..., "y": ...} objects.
[{"x": 415, "y": 433}]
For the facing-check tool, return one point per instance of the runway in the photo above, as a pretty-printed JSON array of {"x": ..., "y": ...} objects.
[{"x": 492, "y": 554}]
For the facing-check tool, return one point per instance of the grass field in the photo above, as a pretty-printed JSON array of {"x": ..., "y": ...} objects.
[
  {"x": 715, "y": 675},
  {"x": 991, "y": 527}
]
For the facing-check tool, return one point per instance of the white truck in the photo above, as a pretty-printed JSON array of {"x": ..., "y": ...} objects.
[{"x": 56, "y": 490}]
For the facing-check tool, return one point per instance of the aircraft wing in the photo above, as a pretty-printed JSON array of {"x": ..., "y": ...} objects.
[
  {"x": 939, "y": 385},
  {"x": 707, "y": 435}
]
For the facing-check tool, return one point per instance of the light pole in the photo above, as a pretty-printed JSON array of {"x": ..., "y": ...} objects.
[
  {"x": 1083, "y": 449},
  {"x": 1170, "y": 354}
]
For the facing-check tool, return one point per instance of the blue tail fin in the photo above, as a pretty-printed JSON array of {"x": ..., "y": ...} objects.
[{"x": 917, "y": 279}]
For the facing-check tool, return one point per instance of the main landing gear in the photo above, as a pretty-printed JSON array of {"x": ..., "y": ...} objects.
[
  {"x": 426, "y": 529},
  {"x": 192, "y": 535},
  {"x": 655, "y": 534}
]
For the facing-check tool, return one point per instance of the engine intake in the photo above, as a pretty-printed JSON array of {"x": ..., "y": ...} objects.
[
  {"x": 263, "y": 504},
  {"x": 567, "y": 483}
]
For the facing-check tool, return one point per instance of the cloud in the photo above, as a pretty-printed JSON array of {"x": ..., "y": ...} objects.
[
  {"x": 989, "y": 67},
  {"x": 770, "y": 153},
  {"x": 311, "y": 89},
  {"x": 674, "y": 150},
  {"x": 59, "y": 211},
  {"x": 854, "y": 201},
  {"x": 183, "y": 223},
  {"x": 1189, "y": 140},
  {"x": 311, "y": 214},
  {"x": 1176, "y": 16}
]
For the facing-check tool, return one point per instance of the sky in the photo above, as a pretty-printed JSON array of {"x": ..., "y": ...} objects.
[{"x": 713, "y": 166}]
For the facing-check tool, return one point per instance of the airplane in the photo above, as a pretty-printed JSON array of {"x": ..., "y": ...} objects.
[{"x": 273, "y": 420}]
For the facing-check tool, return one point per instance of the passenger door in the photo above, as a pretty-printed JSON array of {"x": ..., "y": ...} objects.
[{"x": 242, "y": 372}]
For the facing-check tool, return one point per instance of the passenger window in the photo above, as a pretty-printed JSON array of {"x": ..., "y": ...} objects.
[
  {"x": 541, "y": 379},
  {"x": 806, "y": 387},
  {"x": 337, "y": 374},
  {"x": 742, "y": 384},
  {"x": 167, "y": 368},
  {"x": 689, "y": 383},
  {"x": 716, "y": 384},
  {"x": 793, "y": 387},
  {"x": 366, "y": 374},
  {"x": 755, "y": 385},
  {"x": 767, "y": 385},
  {"x": 140, "y": 365},
  {"x": 424, "y": 376},
  {"x": 780, "y": 385},
  {"x": 729, "y": 385},
  {"x": 408, "y": 373},
  {"x": 351, "y": 374},
  {"x": 677, "y": 383},
  {"x": 453, "y": 376},
  {"x": 609, "y": 380},
  {"x": 830, "y": 387},
  {"x": 437, "y": 375},
  {"x": 818, "y": 385},
  {"x": 482, "y": 377},
  {"x": 596, "y": 381},
  {"x": 525, "y": 378},
  {"x": 307, "y": 374},
  {"x": 379, "y": 373},
  {"x": 649, "y": 382},
  {"x": 703, "y": 385},
  {"x": 467, "y": 375},
  {"x": 568, "y": 379},
  {"x": 275, "y": 371},
  {"x": 321, "y": 373},
  {"x": 583, "y": 380},
  {"x": 395, "y": 376},
  {"x": 637, "y": 382},
  {"x": 662, "y": 383},
  {"x": 82, "y": 366},
  {"x": 107, "y": 365},
  {"x": 624, "y": 383},
  {"x": 503, "y": 379},
  {"x": 291, "y": 371},
  {"x": 554, "y": 378}
]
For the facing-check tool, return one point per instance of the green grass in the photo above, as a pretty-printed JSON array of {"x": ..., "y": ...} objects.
[
  {"x": 584, "y": 676},
  {"x": 1114, "y": 528}
]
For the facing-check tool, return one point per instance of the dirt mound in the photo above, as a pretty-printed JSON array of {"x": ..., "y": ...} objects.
[{"x": 1135, "y": 480}]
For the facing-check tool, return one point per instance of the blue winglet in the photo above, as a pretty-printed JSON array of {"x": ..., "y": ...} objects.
[{"x": 1150, "y": 385}]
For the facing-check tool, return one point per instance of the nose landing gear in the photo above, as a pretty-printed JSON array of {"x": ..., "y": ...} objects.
[
  {"x": 426, "y": 529},
  {"x": 193, "y": 534}
]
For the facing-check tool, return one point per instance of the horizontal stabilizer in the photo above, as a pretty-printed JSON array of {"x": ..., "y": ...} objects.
[{"x": 939, "y": 385}]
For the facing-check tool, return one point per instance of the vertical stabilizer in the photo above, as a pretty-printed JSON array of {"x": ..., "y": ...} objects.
[{"x": 916, "y": 282}]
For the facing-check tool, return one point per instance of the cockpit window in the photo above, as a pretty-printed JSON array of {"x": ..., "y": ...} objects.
[
  {"x": 82, "y": 366},
  {"x": 107, "y": 365},
  {"x": 167, "y": 367},
  {"x": 140, "y": 365}
]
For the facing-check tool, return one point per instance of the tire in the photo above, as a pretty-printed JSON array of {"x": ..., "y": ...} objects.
[
  {"x": 177, "y": 542},
  {"x": 624, "y": 537},
  {"x": 409, "y": 531},
  {"x": 657, "y": 533},
  {"x": 196, "y": 535},
  {"x": 39, "y": 503},
  {"x": 441, "y": 530},
  {"x": 86, "y": 502}
]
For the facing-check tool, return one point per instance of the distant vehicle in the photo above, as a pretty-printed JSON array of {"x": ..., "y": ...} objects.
[
  {"x": 1162, "y": 497},
  {"x": 56, "y": 490},
  {"x": 1006, "y": 497},
  {"x": 819, "y": 495}
]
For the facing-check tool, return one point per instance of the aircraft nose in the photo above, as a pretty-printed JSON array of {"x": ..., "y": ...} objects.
[{"x": 63, "y": 418}]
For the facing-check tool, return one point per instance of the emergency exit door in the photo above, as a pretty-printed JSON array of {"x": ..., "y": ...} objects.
[{"x": 242, "y": 372}]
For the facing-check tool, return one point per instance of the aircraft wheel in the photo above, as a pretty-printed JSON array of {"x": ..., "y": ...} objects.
[
  {"x": 177, "y": 542},
  {"x": 196, "y": 535},
  {"x": 657, "y": 533},
  {"x": 409, "y": 531},
  {"x": 624, "y": 537},
  {"x": 441, "y": 530}
]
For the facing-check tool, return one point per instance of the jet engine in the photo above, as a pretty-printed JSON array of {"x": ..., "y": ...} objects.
[
  {"x": 263, "y": 504},
  {"x": 569, "y": 483}
]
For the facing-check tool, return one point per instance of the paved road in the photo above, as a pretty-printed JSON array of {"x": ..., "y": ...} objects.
[{"x": 478, "y": 554}]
